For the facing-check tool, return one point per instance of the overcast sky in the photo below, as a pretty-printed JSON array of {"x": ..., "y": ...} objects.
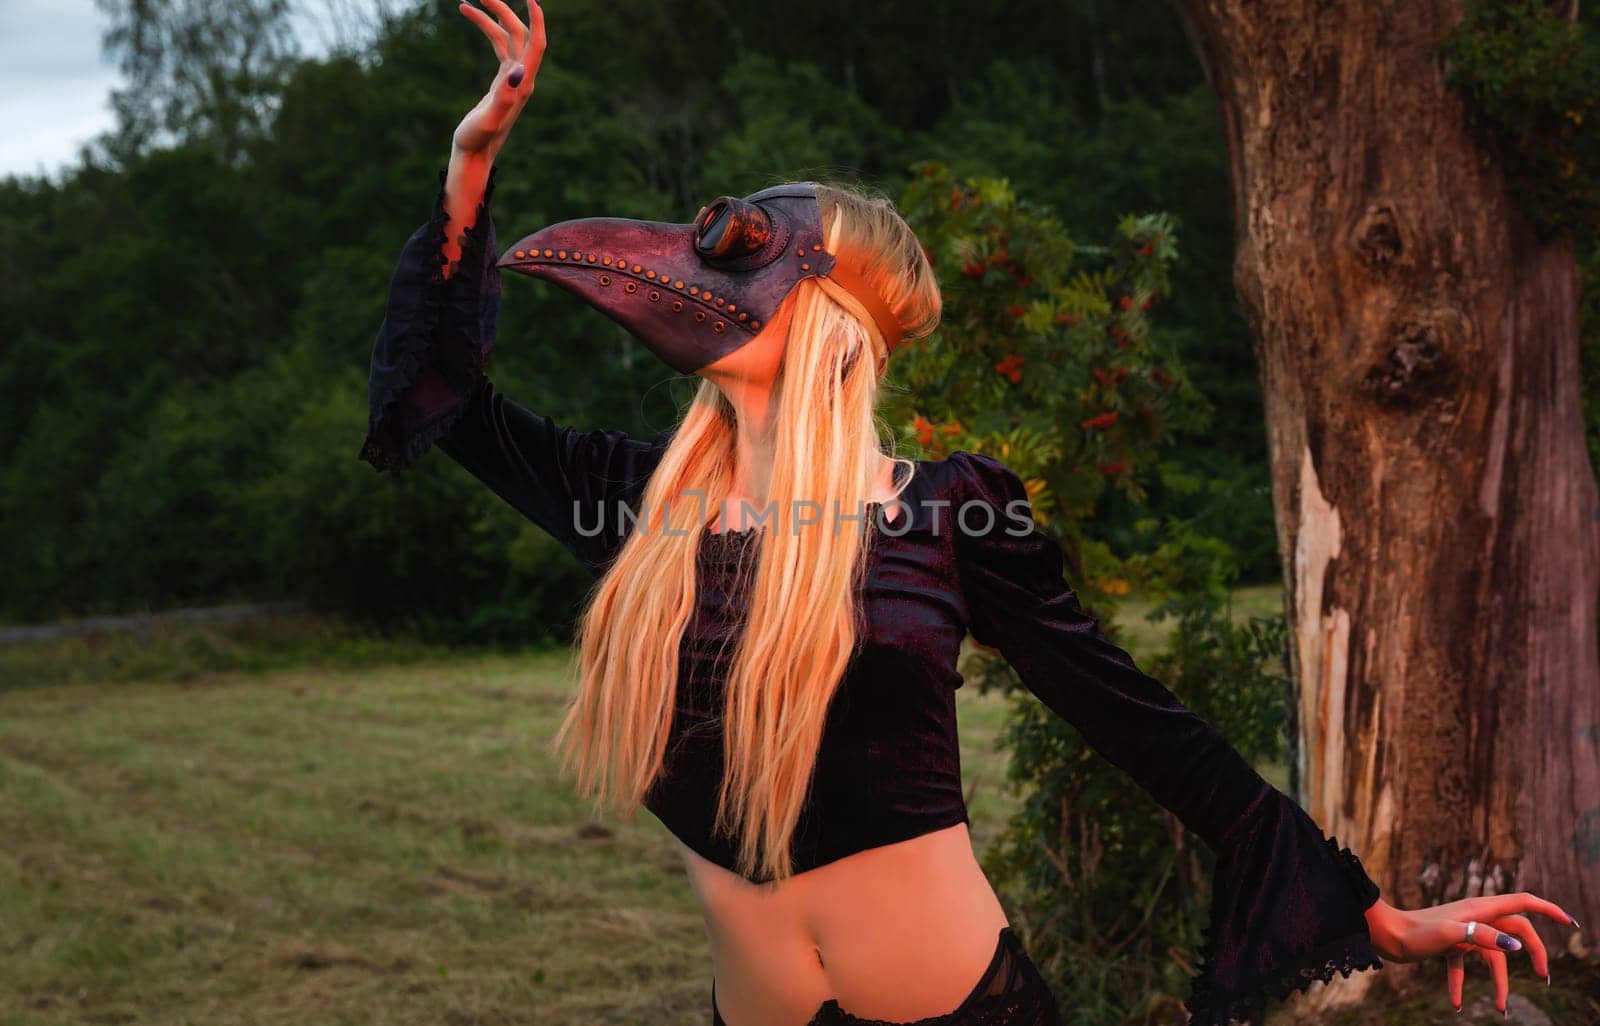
[{"x": 54, "y": 86}]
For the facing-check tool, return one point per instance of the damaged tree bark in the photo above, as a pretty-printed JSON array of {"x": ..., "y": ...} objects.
[{"x": 1437, "y": 514}]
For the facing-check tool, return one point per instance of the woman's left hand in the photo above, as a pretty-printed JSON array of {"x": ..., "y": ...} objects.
[{"x": 1412, "y": 935}]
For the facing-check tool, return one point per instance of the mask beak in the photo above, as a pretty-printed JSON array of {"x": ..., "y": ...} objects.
[
  {"x": 649, "y": 277},
  {"x": 646, "y": 276}
]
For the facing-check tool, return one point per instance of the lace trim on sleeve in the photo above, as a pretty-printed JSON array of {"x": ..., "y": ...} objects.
[
  {"x": 394, "y": 442},
  {"x": 1344, "y": 955}
]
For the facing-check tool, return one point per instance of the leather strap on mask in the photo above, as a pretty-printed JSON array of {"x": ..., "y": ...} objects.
[{"x": 847, "y": 287}]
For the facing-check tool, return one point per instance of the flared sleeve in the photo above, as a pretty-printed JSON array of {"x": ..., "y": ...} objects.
[
  {"x": 428, "y": 384},
  {"x": 1288, "y": 905}
]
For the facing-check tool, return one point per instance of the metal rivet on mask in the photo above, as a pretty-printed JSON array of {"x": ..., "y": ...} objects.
[
  {"x": 677, "y": 306},
  {"x": 807, "y": 267},
  {"x": 699, "y": 316},
  {"x": 717, "y": 327},
  {"x": 605, "y": 279},
  {"x": 576, "y": 255},
  {"x": 755, "y": 324},
  {"x": 637, "y": 268},
  {"x": 731, "y": 308},
  {"x": 630, "y": 287},
  {"x": 650, "y": 274},
  {"x": 590, "y": 258},
  {"x": 720, "y": 302},
  {"x": 815, "y": 247},
  {"x": 549, "y": 252},
  {"x": 654, "y": 295},
  {"x": 562, "y": 254},
  {"x": 694, "y": 290},
  {"x": 606, "y": 261},
  {"x": 744, "y": 316},
  {"x": 521, "y": 254},
  {"x": 622, "y": 265},
  {"x": 800, "y": 252},
  {"x": 677, "y": 284}
]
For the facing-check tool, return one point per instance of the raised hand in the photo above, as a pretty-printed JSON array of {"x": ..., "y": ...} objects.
[
  {"x": 1502, "y": 927},
  {"x": 520, "y": 49}
]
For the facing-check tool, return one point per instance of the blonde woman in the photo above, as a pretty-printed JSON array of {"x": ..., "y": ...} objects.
[{"x": 767, "y": 659}]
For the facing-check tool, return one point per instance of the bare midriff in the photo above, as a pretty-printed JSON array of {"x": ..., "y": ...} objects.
[{"x": 899, "y": 932}]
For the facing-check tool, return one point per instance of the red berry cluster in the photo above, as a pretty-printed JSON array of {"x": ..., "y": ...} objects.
[
  {"x": 1011, "y": 367},
  {"x": 926, "y": 428}
]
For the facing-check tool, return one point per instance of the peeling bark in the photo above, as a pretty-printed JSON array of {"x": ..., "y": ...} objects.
[{"x": 1437, "y": 514}]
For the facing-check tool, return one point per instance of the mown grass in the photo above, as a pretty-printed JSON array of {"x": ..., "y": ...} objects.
[
  {"x": 326, "y": 846},
  {"x": 296, "y": 823}
]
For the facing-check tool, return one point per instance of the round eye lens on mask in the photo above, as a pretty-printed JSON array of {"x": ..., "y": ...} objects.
[{"x": 731, "y": 228}]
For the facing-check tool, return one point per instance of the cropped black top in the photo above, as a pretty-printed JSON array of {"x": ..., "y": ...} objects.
[{"x": 1287, "y": 902}]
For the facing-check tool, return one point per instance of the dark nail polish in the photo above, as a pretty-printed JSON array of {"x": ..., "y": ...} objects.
[
  {"x": 1508, "y": 942},
  {"x": 515, "y": 78},
  {"x": 1458, "y": 1008},
  {"x": 1575, "y": 923}
]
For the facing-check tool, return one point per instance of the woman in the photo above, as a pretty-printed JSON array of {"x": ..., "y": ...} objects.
[{"x": 782, "y": 699}]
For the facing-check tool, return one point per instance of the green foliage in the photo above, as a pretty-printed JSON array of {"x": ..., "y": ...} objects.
[
  {"x": 1530, "y": 82},
  {"x": 792, "y": 122},
  {"x": 186, "y": 327},
  {"x": 1045, "y": 357},
  {"x": 1049, "y": 359}
]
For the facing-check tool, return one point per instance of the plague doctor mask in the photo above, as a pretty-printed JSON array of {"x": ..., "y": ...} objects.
[{"x": 692, "y": 293}]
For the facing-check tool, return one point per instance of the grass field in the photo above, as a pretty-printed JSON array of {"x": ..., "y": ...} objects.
[
  {"x": 291, "y": 824},
  {"x": 380, "y": 842}
]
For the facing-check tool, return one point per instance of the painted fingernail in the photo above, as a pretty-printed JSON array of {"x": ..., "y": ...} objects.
[
  {"x": 1547, "y": 979},
  {"x": 1575, "y": 923},
  {"x": 1508, "y": 942},
  {"x": 1458, "y": 1008},
  {"x": 515, "y": 78}
]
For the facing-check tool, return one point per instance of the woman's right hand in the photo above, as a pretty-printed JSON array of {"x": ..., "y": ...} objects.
[{"x": 520, "y": 49}]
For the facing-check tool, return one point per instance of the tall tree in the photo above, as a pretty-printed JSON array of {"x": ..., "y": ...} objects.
[
  {"x": 1418, "y": 347},
  {"x": 198, "y": 71},
  {"x": 345, "y": 26}
]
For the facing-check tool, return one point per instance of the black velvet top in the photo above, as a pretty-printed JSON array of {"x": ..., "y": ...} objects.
[{"x": 1287, "y": 902}]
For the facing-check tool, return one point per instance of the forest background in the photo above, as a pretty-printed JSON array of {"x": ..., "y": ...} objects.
[{"x": 188, "y": 313}]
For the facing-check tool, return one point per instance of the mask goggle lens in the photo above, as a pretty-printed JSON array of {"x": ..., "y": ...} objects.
[{"x": 730, "y": 228}]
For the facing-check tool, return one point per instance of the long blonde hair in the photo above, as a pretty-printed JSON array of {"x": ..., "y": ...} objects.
[{"x": 801, "y": 622}]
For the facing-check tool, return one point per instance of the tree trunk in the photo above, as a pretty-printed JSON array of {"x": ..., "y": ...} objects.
[{"x": 1437, "y": 514}]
